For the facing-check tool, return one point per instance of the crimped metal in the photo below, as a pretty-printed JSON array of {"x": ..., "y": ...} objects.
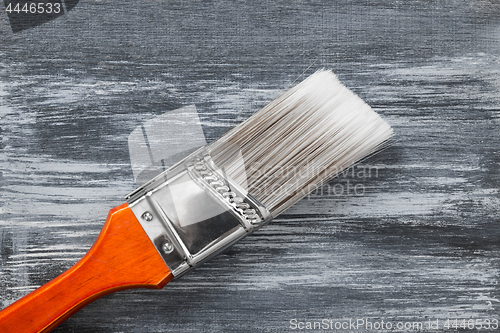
[{"x": 169, "y": 236}]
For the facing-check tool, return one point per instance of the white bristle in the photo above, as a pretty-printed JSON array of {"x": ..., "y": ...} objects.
[{"x": 300, "y": 140}]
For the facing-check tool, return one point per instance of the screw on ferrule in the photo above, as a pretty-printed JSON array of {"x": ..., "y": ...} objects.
[
  {"x": 167, "y": 247},
  {"x": 147, "y": 216}
]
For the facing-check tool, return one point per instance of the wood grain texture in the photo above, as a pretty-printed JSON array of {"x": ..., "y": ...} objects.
[
  {"x": 121, "y": 258},
  {"x": 421, "y": 242}
]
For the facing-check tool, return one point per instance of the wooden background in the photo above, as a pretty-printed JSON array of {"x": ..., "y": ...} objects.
[{"x": 422, "y": 242}]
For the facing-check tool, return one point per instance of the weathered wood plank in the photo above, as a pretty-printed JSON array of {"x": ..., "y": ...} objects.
[{"x": 421, "y": 242}]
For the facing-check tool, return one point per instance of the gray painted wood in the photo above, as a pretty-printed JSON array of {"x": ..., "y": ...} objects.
[{"x": 421, "y": 242}]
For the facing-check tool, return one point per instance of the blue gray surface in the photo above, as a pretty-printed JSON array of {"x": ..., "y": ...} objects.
[{"x": 422, "y": 242}]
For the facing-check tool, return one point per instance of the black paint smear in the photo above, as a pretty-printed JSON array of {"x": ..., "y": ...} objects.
[
  {"x": 70, "y": 4},
  {"x": 22, "y": 20}
]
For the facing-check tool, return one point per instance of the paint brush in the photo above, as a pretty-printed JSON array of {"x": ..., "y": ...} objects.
[{"x": 213, "y": 198}]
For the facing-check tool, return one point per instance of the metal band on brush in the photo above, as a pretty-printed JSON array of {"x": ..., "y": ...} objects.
[
  {"x": 206, "y": 174},
  {"x": 194, "y": 210}
]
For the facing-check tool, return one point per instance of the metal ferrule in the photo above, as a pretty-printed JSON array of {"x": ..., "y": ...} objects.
[{"x": 193, "y": 211}]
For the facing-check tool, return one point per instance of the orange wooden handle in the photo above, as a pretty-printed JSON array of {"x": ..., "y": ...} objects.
[{"x": 122, "y": 257}]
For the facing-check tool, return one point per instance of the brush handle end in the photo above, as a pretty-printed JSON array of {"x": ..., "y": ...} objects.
[{"x": 122, "y": 257}]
